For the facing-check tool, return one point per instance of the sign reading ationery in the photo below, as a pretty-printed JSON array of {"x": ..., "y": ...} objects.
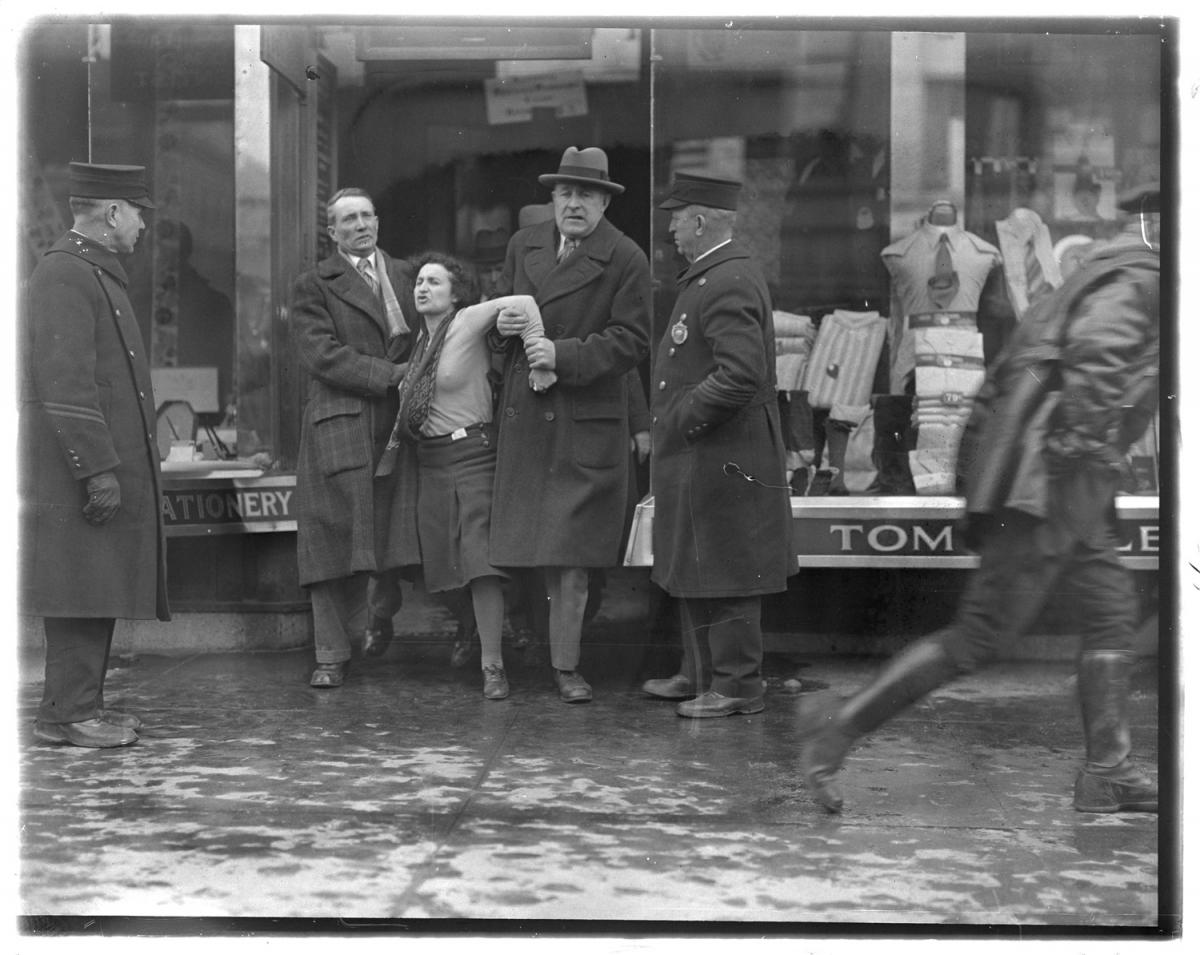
[{"x": 228, "y": 505}]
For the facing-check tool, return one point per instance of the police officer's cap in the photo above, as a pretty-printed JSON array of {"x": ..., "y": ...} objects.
[
  {"x": 97, "y": 181},
  {"x": 689, "y": 189}
]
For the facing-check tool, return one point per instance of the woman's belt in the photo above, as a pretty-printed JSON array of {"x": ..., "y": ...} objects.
[{"x": 456, "y": 435}]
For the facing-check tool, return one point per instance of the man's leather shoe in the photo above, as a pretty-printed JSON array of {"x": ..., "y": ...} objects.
[
  {"x": 495, "y": 683},
  {"x": 376, "y": 640},
  {"x": 95, "y": 734},
  {"x": 125, "y": 720},
  {"x": 711, "y": 704},
  {"x": 677, "y": 687},
  {"x": 1122, "y": 788},
  {"x": 572, "y": 688},
  {"x": 328, "y": 675}
]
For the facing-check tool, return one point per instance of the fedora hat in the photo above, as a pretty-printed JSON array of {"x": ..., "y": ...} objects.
[
  {"x": 533, "y": 214},
  {"x": 587, "y": 166},
  {"x": 490, "y": 246},
  {"x": 97, "y": 181}
]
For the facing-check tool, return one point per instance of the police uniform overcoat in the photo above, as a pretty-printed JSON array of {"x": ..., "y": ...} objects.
[
  {"x": 716, "y": 424},
  {"x": 87, "y": 407},
  {"x": 563, "y": 462},
  {"x": 349, "y": 521}
]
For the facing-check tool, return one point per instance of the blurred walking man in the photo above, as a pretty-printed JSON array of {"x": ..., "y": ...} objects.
[{"x": 1041, "y": 461}]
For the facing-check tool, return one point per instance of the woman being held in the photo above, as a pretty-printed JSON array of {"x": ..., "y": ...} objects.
[{"x": 446, "y": 410}]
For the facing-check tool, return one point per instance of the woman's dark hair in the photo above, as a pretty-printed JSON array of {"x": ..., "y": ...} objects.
[{"x": 464, "y": 284}]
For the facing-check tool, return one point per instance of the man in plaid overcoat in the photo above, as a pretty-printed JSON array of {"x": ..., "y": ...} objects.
[{"x": 352, "y": 318}]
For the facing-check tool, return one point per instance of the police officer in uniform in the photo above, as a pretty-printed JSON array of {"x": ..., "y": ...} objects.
[
  {"x": 722, "y": 516},
  {"x": 91, "y": 546}
]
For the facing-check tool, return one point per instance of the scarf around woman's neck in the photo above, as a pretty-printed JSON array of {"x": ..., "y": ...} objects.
[{"x": 420, "y": 381}]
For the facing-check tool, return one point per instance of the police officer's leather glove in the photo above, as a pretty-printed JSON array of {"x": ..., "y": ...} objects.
[{"x": 103, "y": 498}]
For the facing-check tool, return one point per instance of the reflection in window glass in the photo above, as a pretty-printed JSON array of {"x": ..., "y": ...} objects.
[
  {"x": 1060, "y": 125},
  {"x": 802, "y": 119}
]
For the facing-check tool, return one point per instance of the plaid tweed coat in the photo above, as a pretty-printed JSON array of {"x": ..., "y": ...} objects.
[{"x": 347, "y": 519}]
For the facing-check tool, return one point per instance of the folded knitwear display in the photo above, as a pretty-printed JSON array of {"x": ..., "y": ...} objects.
[
  {"x": 941, "y": 437},
  {"x": 937, "y": 341},
  {"x": 948, "y": 373},
  {"x": 788, "y": 325},
  {"x": 841, "y": 368},
  {"x": 794, "y": 336},
  {"x": 793, "y": 346},
  {"x": 932, "y": 471},
  {"x": 934, "y": 381},
  {"x": 789, "y": 371}
]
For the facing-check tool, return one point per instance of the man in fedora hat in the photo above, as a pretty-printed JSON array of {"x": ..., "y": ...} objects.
[
  {"x": 562, "y": 472},
  {"x": 1041, "y": 462},
  {"x": 722, "y": 516},
  {"x": 91, "y": 545}
]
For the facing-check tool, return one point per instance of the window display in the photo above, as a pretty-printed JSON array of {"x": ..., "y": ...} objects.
[{"x": 938, "y": 183}]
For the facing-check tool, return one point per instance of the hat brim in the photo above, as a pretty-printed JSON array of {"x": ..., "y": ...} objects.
[
  {"x": 144, "y": 202},
  {"x": 673, "y": 202},
  {"x": 552, "y": 178}
]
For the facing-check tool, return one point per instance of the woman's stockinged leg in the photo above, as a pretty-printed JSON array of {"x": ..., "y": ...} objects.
[{"x": 487, "y": 595}]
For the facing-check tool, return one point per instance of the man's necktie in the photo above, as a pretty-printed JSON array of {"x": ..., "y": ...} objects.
[
  {"x": 568, "y": 246},
  {"x": 367, "y": 269},
  {"x": 944, "y": 284}
]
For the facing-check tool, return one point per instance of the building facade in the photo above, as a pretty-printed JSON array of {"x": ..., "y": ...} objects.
[{"x": 844, "y": 135}]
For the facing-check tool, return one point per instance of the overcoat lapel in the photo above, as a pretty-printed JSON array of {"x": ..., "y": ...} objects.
[
  {"x": 349, "y": 286},
  {"x": 586, "y": 264}
]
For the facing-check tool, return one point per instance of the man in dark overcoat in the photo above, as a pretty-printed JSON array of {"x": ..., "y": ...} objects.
[
  {"x": 91, "y": 541},
  {"x": 722, "y": 512},
  {"x": 563, "y": 464},
  {"x": 1041, "y": 462},
  {"x": 352, "y": 318}
]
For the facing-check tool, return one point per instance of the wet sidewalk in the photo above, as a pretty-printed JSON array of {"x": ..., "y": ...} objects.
[{"x": 406, "y": 795}]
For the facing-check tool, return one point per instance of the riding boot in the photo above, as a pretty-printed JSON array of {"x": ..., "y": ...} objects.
[
  {"x": 1109, "y": 781},
  {"x": 829, "y": 727}
]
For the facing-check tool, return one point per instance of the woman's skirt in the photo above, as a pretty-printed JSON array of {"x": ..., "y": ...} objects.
[{"x": 454, "y": 507}]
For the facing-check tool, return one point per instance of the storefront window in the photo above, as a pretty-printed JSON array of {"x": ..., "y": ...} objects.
[
  {"x": 1060, "y": 124},
  {"x": 162, "y": 96},
  {"x": 854, "y": 145},
  {"x": 844, "y": 140}
]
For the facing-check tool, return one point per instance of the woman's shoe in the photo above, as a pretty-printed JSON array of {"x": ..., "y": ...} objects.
[
  {"x": 328, "y": 675},
  {"x": 495, "y": 683}
]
